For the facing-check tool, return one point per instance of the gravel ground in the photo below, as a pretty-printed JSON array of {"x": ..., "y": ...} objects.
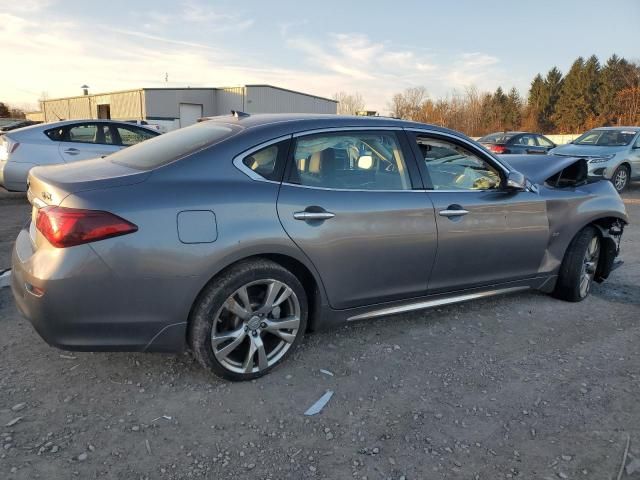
[{"x": 522, "y": 386}]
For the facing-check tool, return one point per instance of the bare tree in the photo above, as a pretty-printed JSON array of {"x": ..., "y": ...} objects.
[
  {"x": 409, "y": 104},
  {"x": 349, "y": 103}
]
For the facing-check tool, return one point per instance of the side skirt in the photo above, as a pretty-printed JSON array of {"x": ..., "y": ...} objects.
[{"x": 436, "y": 302}]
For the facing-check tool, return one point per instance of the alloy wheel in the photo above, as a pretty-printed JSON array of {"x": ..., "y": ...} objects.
[
  {"x": 620, "y": 179},
  {"x": 589, "y": 265},
  {"x": 255, "y": 326}
]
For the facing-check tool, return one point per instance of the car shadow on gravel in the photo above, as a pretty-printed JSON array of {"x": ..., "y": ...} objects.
[{"x": 617, "y": 292}]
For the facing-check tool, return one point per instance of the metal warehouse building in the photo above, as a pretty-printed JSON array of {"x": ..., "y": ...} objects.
[{"x": 179, "y": 107}]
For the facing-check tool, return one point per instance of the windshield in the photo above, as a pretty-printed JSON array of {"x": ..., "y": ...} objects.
[
  {"x": 171, "y": 146},
  {"x": 496, "y": 138},
  {"x": 606, "y": 138}
]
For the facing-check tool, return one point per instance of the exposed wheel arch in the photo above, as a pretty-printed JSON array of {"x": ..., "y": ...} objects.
[{"x": 610, "y": 230}]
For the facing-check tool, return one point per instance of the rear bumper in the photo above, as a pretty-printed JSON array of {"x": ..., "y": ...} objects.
[
  {"x": 85, "y": 306},
  {"x": 13, "y": 175}
]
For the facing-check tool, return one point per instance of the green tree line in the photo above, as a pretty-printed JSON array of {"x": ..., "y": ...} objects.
[{"x": 589, "y": 95}]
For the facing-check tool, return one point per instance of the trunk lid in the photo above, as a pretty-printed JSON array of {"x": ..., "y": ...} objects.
[{"x": 50, "y": 185}]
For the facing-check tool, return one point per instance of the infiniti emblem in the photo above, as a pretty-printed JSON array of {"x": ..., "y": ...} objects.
[{"x": 46, "y": 196}]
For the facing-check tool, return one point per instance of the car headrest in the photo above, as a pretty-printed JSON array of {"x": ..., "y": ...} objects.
[{"x": 323, "y": 161}]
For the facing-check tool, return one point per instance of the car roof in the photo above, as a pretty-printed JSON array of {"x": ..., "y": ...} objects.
[
  {"x": 512, "y": 132},
  {"x": 635, "y": 129},
  {"x": 309, "y": 121}
]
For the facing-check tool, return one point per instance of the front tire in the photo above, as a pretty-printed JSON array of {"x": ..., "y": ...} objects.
[
  {"x": 248, "y": 320},
  {"x": 579, "y": 266},
  {"x": 620, "y": 178}
]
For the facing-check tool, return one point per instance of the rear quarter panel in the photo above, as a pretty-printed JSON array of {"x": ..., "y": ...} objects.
[{"x": 152, "y": 268}]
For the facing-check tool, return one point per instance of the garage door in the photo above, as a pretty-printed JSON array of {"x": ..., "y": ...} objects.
[{"x": 189, "y": 113}]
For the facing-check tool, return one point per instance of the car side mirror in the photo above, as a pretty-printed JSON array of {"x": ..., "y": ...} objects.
[{"x": 516, "y": 181}]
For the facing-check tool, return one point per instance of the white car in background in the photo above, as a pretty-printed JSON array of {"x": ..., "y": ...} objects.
[
  {"x": 62, "y": 142},
  {"x": 152, "y": 126}
]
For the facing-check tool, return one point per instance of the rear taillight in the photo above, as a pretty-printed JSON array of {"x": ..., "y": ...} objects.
[
  {"x": 66, "y": 227},
  {"x": 497, "y": 148}
]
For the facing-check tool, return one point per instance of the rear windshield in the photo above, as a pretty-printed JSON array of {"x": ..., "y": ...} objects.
[
  {"x": 606, "y": 138},
  {"x": 171, "y": 146},
  {"x": 496, "y": 138}
]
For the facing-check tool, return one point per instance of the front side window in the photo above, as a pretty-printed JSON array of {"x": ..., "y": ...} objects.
[
  {"x": 350, "y": 161},
  {"x": 132, "y": 135},
  {"x": 452, "y": 167}
]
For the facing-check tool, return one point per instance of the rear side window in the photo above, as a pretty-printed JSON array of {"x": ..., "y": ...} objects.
[
  {"x": 268, "y": 162},
  {"x": 171, "y": 146},
  {"x": 350, "y": 161},
  {"x": 55, "y": 134}
]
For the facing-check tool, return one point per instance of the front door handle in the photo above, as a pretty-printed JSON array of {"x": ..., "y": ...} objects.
[
  {"x": 72, "y": 151},
  {"x": 313, "y": 215},
  {"x": 453, "y": 213}
]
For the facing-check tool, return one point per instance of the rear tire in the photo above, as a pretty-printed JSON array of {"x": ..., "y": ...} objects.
[
  {"x": 620, "y": 178},
  {"x": 248, "y": 320},
  {"x": 579, "y": 266}
]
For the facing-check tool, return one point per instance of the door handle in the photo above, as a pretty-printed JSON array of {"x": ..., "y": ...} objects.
[
  {"x": 72, "y": 151},
  {"x": 453, "y": 213},
  {"x": 313, "y": 215}
]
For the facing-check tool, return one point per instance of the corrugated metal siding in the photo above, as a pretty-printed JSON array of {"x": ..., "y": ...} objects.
[
  {"x": 80, "y": 107},
  {"x": 165, "y": 104},
  {"x": 55, "y": 110},
  {"x": 228, "y": 99},
  {"x": 264, "y": 99}
]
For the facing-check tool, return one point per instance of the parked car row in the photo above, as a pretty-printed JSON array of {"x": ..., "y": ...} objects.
[
  {"x": 235, "y": 236},
  {"x": 611, "y": 152},
  {"x": 62, "y": 142},
  {"x": 13, "y": 124}
]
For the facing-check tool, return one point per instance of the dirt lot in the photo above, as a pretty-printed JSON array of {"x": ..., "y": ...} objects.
[{"x": 522, "y": 386}]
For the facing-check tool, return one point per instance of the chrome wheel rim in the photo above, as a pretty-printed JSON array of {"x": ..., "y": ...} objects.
[
  {"x": 589, "y": 265},
  {"x": 255, "y": 326},
  {"x": 621, "y": 179}
]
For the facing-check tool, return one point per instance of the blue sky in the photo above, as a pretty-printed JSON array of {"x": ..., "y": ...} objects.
[{"x": 375, "y": 48}]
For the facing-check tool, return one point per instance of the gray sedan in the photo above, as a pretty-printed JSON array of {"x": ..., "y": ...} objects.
[
  {"x": 612, "y": 152},
  {"x": 235, "y": 236}
]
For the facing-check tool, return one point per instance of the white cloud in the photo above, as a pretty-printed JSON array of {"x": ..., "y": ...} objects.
[{"x": 61, "y": 55}]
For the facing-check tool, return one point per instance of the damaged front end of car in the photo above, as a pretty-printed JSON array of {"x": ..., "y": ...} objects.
[{"x": 575, "y": 200}]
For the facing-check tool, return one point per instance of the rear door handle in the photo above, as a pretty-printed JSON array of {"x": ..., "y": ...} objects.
[
  {"x": 452, "y": 213},
  {"x": 313, "y": 215},
  {"x": 72, "y": 151}
]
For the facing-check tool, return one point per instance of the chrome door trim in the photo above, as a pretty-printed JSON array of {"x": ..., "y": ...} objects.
[
  {"x": 313, "y": 215},
  {"x": 452, "y": 213},
  {"x": 238, "y": 160},
  {"x": 459, "y": 139},
  {"x": 289, "y": 184},
  {"x": 359, "y": 128},
  {"x": 433, "y": 303}
]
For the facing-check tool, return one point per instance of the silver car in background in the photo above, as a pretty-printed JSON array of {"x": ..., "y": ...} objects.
[
  {"x": 612, "y": 153},
  {"x": 62, "y": 142},
  {"x": 235, "y": 236}
]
